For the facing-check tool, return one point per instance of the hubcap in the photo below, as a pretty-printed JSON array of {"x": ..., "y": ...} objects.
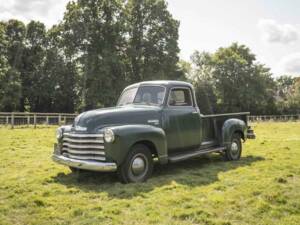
[
  {"x": 138, "y": 166},
  {"x": 234, "y": 148}
]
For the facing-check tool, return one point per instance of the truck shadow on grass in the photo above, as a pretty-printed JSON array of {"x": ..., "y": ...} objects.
[{"x": 192, "y": 173}]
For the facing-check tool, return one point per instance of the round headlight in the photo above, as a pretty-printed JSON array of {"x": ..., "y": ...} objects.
[
  {"x": 109, "y": 135},
  {"x": 59, "y": 133}
]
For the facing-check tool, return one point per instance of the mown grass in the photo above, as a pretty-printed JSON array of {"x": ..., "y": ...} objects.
[{"x": 262, "y": 188}]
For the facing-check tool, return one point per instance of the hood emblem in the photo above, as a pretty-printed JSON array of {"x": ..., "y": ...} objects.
[{"x": 79, "y": 128}]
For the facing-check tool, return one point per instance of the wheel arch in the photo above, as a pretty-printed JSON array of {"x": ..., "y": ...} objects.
[
  {"x": 232, "y": 126},
  {"x": 149, "y": 144},
  {"x": 129, "y": 135}
]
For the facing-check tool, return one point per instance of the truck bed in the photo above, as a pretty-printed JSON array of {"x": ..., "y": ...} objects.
[{"x": 213, "y": 124}]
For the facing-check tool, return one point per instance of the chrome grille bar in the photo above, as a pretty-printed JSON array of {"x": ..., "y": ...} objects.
[
  {"x": 82, "y": 140},
  {"x": 83, "y": 146},
  {"x": 83, "y": 135}
]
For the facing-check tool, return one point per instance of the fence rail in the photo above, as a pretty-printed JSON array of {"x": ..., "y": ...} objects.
[
  {"x": 13, "y": 119},
  {"x": 263, "y": 118}
]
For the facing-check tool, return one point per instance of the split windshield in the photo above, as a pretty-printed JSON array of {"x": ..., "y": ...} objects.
[{"x": 146, "y": 95}]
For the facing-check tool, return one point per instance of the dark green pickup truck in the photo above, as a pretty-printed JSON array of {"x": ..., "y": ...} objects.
[{"x": 154, "y": 120}]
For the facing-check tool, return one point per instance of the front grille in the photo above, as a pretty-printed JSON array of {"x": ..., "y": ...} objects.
[{"x": 83, "y": 146}]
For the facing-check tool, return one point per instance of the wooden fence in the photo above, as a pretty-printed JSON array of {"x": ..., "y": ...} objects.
[{"x": 13, "y": 119}]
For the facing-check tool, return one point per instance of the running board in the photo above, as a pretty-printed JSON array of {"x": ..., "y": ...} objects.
[{"x": 184, "y": 156}]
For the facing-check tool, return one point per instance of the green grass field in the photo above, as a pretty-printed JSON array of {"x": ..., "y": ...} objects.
[{"x": 262, "y": 188}]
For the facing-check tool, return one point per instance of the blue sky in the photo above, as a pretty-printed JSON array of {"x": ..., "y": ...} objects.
[{"x": 270, "y": 28}]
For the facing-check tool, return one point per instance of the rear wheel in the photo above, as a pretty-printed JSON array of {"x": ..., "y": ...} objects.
[
  {"x": 234, "y": 149},
  {"x": 138, "y": 165}
]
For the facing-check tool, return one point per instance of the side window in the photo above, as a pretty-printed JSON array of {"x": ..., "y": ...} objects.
[{"x": 180, "y": 97}]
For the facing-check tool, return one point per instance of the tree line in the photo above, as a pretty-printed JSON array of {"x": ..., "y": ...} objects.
[{"x": 101, "y": 46}]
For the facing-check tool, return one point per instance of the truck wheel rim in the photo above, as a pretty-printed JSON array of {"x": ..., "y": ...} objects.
[
  {"x": 234, "y": 148},
  {"x": 138, "y": 165}
]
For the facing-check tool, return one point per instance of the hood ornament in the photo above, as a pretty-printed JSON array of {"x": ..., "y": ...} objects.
[{"x": 79, "y": 128}]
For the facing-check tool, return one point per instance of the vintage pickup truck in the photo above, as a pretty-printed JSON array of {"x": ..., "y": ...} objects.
[{"x": 153, "y": 121}]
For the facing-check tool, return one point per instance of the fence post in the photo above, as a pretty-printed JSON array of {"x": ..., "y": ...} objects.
[
  {"x": 65, "y": 118},
  {"x": 59, "y": 119},
  {"x": 47, "y": 120},
  {"x": 28, "y": 120},
  {"x": 12, "y": 120},
  {"x": 34, "y": 120},
  {"x": 7, "y": 119}
]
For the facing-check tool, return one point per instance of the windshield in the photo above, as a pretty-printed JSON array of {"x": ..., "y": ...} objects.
[{"x": 147, "y": 95}]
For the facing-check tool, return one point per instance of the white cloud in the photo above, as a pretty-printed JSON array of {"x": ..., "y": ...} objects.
[
  {"x": 280, "y": 33},
  {"x": 46, "y": 11},
  {"x": 290, "y": 64}
]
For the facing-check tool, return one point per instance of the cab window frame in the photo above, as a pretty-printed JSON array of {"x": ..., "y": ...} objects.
[{"x": 180, "y": 88}]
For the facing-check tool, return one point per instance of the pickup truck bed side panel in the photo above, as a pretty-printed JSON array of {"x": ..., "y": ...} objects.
[
  {"x": 128, "y": 135},
  {"x": 224, "y": 125}
]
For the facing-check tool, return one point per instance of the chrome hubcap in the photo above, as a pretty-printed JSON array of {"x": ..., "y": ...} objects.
[
  {"x": 234, "y": 148},
  {"x": 138, "y": 166}
]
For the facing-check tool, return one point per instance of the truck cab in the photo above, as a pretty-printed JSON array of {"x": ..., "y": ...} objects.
[{"x": 151, "y": 120}]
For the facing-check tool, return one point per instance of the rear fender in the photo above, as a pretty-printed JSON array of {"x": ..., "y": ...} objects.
[{"x": 231, "y": 126}]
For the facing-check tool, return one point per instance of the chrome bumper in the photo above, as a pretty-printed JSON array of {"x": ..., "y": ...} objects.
[{"x": 85, "y": 165}]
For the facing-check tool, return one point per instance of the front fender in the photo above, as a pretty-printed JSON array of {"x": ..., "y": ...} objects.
[
  {"x": 127, "y": 135},
  {"x": 231, "y": 126}
]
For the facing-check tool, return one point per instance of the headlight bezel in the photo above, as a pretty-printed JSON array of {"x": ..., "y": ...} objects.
[{"x": 108, "y": 135}]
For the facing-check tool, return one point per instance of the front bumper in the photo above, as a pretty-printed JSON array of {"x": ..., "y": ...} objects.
[{"x": 85, "y": 165}]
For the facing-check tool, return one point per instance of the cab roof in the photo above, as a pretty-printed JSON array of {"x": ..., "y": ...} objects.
[{"x": 166, "y": 83}]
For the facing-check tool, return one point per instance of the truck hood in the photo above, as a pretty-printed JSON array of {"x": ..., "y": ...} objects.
[{"x": 93, "y": 120}]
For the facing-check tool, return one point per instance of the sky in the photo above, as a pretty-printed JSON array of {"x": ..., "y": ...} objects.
[{"x": 270, "y": 28}]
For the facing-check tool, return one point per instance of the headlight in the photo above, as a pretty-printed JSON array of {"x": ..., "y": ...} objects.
[
  {"x": 59, "y": 133},
  {"x": 109, "y": 135}
]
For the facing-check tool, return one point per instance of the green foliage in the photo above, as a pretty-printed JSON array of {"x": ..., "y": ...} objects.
[
  {"x": 93, "y": 33},
  {"x": 153, "y": 34},
  {"x": 261, "y": 188},
  {"x": 288, "y": 95},
  {"x": 85, "y": 61},
  {"x": 232, "y": 81},
  {"x": 9, "y": 77},
  {"x": 102, "y": 46}
]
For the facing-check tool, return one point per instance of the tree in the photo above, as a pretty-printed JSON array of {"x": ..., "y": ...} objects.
[
  {"x": 234, "y": 81},
  {"x": 61, "y": 74},
  {"x": 9, "y": 77},
  {"x": 35, "y": 85},
  {"x": 94, "y": 38},
  {"x": 201, "y": 78},
  {"x": 288, "y": 95},
  {"x": 153, "y": 35}
]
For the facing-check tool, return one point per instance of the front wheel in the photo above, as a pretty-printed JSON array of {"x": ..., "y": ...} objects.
[
  {"x": 138, "y": 165},
  {"x": 234, "y": 149}
]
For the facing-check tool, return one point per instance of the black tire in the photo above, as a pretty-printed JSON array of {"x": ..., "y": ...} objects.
[
  {"x": 234, "y": 149},
  {"x": 140, "y": 156}
]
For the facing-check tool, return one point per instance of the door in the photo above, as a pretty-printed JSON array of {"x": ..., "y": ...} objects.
[{"x": 183, "y": 122}]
